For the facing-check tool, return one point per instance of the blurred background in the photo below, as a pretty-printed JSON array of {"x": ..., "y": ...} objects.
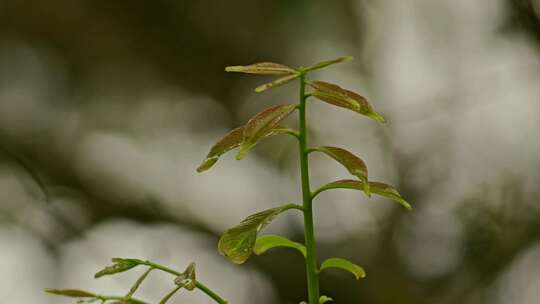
[{"x": 107, "y": 108}]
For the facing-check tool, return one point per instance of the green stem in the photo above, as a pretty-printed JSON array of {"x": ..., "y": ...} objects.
[
  {"x": 311, "y": 257},
  {"x": 199, "y": 285}
]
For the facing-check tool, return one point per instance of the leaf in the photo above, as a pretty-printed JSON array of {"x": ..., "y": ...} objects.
[
  {"x": 323, "y": 64},
  {"x": 187, "y": 279},
  {"x": 267, "y": 242},
  {"x": 324, "y": 299},
  {"x": 138, "y": 283},
  {"x": 120, "y": 265},
  {"x": 374, "y": 187},
  {"x": 276, "y": 83},
  {"x": 238, "y": 242},
  {"x": 261, "y": 125},
  {"x": 351, "y": 162},
  {"x": 344, "y": 264},
  {"x": 262, "y": 68},
  {"x": 335, "y": 95},
  {"x": 169, "y": 295},
  {"x": 73, "y": 293}
]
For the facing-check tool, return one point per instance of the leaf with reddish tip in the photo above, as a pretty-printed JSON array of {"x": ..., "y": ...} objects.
[
  {"x": 354, "y": 164},
  {"x": 344, "y": 264},
  {"x": 262, "y": 68},
  {"x": 323, "y": 64},
  {"x": 238, "y": 242},
  {"x": 277, "y": 82},
  {"x": 73, "y": 293},
  {"x": 262, "y": 124},
  {"x": 378, "y": 188},
  {"x": 335, "y": 95}
]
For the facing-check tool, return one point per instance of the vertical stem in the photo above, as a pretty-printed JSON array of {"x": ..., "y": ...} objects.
[{"x": 311, "y": 257}]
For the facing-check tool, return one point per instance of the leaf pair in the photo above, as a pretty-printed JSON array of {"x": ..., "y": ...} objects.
[
  {"x": 238, "y": 242},
  {"x": 335, "y": 95},
  {"x": 262, "y": 125}
]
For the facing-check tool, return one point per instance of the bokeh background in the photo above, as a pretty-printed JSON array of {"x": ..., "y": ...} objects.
[{"x": 111, "y": 105}]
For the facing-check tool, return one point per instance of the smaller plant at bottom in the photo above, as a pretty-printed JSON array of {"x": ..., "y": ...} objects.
[{"x": 183, "y": 280}]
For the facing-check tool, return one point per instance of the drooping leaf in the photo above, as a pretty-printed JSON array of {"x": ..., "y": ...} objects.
[
  {"x": 262, "y": 68},
  {"x": 261, "y": 125},
  {"x": 323, "y": 64},
  {"x": 72, "y": 293},
  {"x": 344, "y": 264},
  {"x": 120, "y": 265},
  {"x": 267, "y": 242},
  {"x": 276, "y": 83},
  {"x": 323, "y": 299},
  {"x": 237, "y": 243},
  {"x": 351, "y": 162},
  {"x": 188, "y": 278},
  {"x": 335, "y": 95},
  {"x": 374, "y": 187}
]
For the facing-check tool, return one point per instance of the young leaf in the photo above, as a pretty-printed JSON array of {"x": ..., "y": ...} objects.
[
  {"x": 335, "y": 95},
  {"x": 277, "y": 82},
  {"x": 237, "y": 243},
  {"x": 323, "y": 64},
  {"x": 120, "y": 265},
  {"x": 138, "y": 283},
  {"x": 169, "y": 295},
  {"x": 187, "y": 279},
  {"x": 356, "y": 270},
  {"x": 324, "y": 299},
  {"x": 267, "y": 242},
  {"x": 351, "y": 162},
  {"x": 260, "y": 125},
  {"x": 73, "y": 293},
  {"x": 262, "y": 68},
  {"x": 374, "y": 187}
]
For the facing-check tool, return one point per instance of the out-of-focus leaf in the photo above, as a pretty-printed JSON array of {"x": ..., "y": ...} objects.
[
  {"x": 261, "y": 125},
  {"x": 267, "y": 242},
  {"x": 73, "y": 293},
  {"x": 120, "y": 265},
  {"x": 262, "y": 68},
  {"x": 188, "y": 278},
  {"x": 374, "y": 187},
  {"x": 323, "y": 64},
  {"x": 138, "y": 283},
  {"x": 323, "y": 299},
  {"x": 237, "y": 243},
  {"x": 278, "y": 82},
  {"x": 169, "y": 295},
  {"x": 351, "y": 162},
  {"x": 344, "y": 264},
  {"x": 335, "y": 95}
]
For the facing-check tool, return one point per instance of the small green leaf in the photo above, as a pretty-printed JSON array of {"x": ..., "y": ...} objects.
[
  {"x": 323, "y": 64},
  {"x": 262, "y": 68},
  {"x": 276, "y": 83},
  {"x": 238, "y": 242},
  {"x": 73, "y": 293},
  {"x": 120, "y": 265},
  {"x": 267, "y": 242},
  {"x": 375, "y": 187},
  {"x": 351, "y": 162},
  {"x": 335, "y": 95},
  {"x": 344, "y": 264},
  {"x": 324, "y": 299},
  {"x": 261, "y": 125},
  {"x": 169, "y": 295},
  {"x": 188, "y": 278}
]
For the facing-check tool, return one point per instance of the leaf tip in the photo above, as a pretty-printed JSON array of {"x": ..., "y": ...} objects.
[{"x": 234, "y": 68}]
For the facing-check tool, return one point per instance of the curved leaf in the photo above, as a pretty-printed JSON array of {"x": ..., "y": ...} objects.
[
  {"x": 335, "y": 95},
  {"x": 351, "y": 162},
  {"x": 277, "y": 82},
  {"x": 262, "y": 68},
  {"x": 324, "y": 299},
  {"x": 188, "y": 278},
  {"x": 374, "y": 187},
  {"x": 267, "y": 242},
  {"x": 73, "y": 293},
  {"x": 120, "y": 265},
  {"x": 344, "y": 264},
  {"x": 323, "y": 64},
  {"x": 237, "y": 243},
  {"x": 261, "y": 125}
]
